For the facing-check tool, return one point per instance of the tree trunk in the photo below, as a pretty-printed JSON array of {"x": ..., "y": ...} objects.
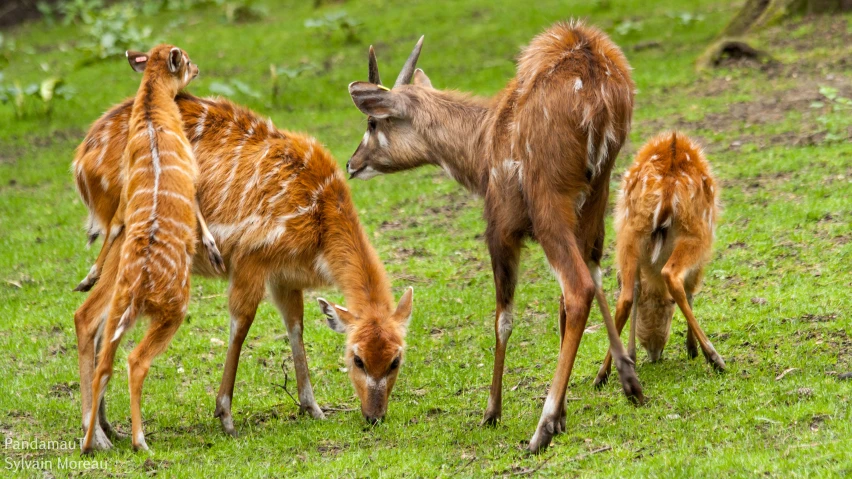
[{"x": 756, "y": 14}]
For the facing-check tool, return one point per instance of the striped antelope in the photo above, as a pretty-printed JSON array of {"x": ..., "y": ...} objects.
[
  {"x": 280, "y": 210},
  {"x": 665, "y": 218},
  {"x": 157, "y": 208},
  {"x": 540, "y": 153},
  {"x": 116, "y": 223}
]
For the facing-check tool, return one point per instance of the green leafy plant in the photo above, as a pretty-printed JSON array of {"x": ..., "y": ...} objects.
[
  {"x": 45, "y": 92},
  {"x": 837, "y": 102},
  {"x": 113, "y": 31},
  {"x": 77, "y": 11},
  {"x": 333, "y": 22}
]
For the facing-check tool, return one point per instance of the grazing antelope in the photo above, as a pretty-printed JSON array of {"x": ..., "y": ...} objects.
[
  {"x": 540, "y": 153},
  {"x": 157, "y": 208},
  {"x": 665, "y": 218},
  {"x": 281, "y": 212}
]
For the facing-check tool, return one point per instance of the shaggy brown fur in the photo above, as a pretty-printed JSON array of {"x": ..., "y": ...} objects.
[
  {"x": 281, "y": 213},
  {"x": 540, "y": 153},
  {"x": 665, "y": 219}
]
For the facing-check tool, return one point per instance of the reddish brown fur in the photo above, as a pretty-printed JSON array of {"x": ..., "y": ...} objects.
[
  {"x": 282, "y": 215},
  {"x": 665, "y": 220},
  {"x": 156, "y": 207},
  {"x": 540, "y": 153}
]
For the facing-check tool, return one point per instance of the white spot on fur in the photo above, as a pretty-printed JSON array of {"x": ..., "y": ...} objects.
[
  {"x": 657, "y": 214},
  {"x": 366, "y": 138},
  {"x": 322, "y": 267},
  {"x": 658, "y": 246},
  {"x": 578, "y": 84},
  {"x": 597, "y": 276},
  {"x": 233, "y": 332},
  {"x": 383, "y": 140},
  {"x": 504, "y": 324}
]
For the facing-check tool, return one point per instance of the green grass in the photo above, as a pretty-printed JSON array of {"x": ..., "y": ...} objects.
[{"x": 776, "y": 295}]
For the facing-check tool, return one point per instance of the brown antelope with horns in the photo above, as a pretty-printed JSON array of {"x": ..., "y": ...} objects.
[
  {"x": 157, "y": 208},
  {"x": 540, "y": 153},
  {"x": 281, "y": 213},
  {"x": 665, "y": 217}
]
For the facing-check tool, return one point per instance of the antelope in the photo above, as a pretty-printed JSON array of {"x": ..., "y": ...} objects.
[
  {"x": 665, "y": 217},
  {"x": 540, "y": 153},
  {"x": 282, "y": 215},
  {"x": 156, "y": 206}
]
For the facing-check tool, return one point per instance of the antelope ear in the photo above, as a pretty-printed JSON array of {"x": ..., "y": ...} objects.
[
  {"x": 376, "y": 101},
  {"x": 175, "y": 59},
  {"x": 137, "y": 60},
  {"x": 421, "y": 79},
  {"x": 339, "y": 318},
  {"x": 405, "y": 308}
]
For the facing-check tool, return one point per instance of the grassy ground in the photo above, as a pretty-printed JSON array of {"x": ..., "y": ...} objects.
[{"x": 776, "y": 298}]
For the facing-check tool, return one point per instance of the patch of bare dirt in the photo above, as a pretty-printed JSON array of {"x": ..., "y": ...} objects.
[{"x": 823, "y": 61}]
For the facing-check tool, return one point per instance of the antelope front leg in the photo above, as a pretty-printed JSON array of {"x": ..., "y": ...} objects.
[
  {"x": 291, "y": 305},
  {"x": 683, "y": 257},
  {"x": 209, "y": 242},
  {"x": 505, "y": 254},
  {"x": 245, "y": 294}
]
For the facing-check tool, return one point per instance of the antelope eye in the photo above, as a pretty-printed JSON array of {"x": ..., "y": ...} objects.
[
  {"x": 371, "y": 123},
  {"x": 359, "y": 363},
  {"x": 394, "y": 364}
]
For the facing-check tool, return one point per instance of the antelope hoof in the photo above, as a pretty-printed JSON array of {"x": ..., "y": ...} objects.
[
  {"x": 227, "y": 421},
  {"x": 714, "y": 359},
  {"x": 313, "y": 410},
  {"x": 547, "y": 428},
  {"x": 602, "y": 378},
  {"x": 491, "y": 418},
  {"x": 629, "y": 381},
  {"x": 86, "y": 284},
  {"x": 215, "y": 257},
  {"x": 99, "y": 442},
  {"x": 691, "y": 349},
  {"x": 111, "y": 433},
  {"x": 141, "y": 445},
  {"x": 563, "y": 422}
]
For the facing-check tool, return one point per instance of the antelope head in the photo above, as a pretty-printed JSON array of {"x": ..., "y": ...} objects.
[
  {"x": 392, "y": 142},
  {"x": 169, "y": 64},
  {"x": 375, "y": 344},
  {"x": 654, "y": 313}
]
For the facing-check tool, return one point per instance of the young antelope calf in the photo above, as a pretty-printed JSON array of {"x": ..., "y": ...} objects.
[
  {"x": 665, "y": 219},
  {"x": 159, "y": 214}
]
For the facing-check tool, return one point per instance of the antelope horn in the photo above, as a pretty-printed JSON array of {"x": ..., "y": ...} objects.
[
  {"x": 374, "y": 68},
  {"x": 408, "y": 69}
]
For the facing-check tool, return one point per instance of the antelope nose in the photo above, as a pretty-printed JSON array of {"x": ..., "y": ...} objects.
[
  {"x": 347, "y": 164},
  {"x": 372, "y": 420}
]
